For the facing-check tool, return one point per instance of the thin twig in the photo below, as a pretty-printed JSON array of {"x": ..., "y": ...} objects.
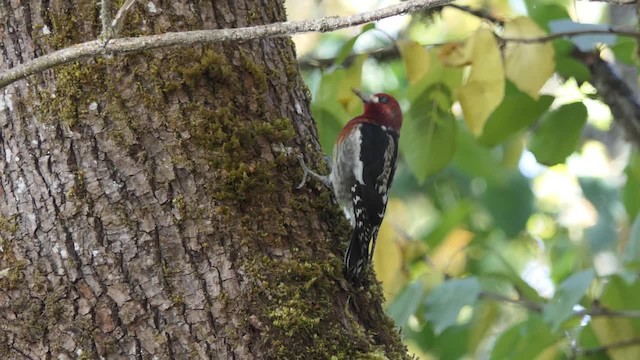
[
  {"x": 615, "y": 2},
  {"x": 105, "y": 19},
  {"x": 603, "y": 348},
  {"x": 521, "y": 302},
  {"x": 595, "y": 311},
  {"x": 116, "y": 24},
  {"x": 188, "y": 38},
  {"x": 572, "y": 34}
]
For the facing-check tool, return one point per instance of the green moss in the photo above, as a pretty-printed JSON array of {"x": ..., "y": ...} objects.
[{"x": 257, "y": 73}]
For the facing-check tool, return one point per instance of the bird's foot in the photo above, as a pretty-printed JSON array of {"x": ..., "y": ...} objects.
[{"x": 323, "y": 179}]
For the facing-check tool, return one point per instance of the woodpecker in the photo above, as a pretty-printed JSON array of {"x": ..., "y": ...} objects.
[{"x": 364, "y": 163}]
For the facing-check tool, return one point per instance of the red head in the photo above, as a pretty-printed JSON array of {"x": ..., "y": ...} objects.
[{"x": 381, "y": 109}]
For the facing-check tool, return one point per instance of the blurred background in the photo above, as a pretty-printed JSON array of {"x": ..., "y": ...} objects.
[{"x": 512, "y": 230}]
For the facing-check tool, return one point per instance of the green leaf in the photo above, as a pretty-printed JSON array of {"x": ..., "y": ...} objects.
[
  {"x": 631, "y": 189},
  {"x": 405, "y": 304},
  {"x": 429, "y": 130},
  {"x": 626, "y": 50},
  {"x": 445, "y": 302},
  {"x": 604, "y": 197},
  {"x": 559, "y": 134},
  {"x": 347, "y": 48},
  {"x": 510, "y": 203},
  {"x": 524, "y": 341},
  {"x": 632, "y": 251},
  {"x": 563, "y": 257},
  {"x": 568, "y": 294},
  {"x": 485, "y": 316},
  {"x": 516, "y": 112},
  {"x": 475, "y": 160},
  {"x": 566, "y": 65},
  {"x": 329, "y": 124},
  {"x": 542, "y": 13},
  {"x": 619, "y": 294}
]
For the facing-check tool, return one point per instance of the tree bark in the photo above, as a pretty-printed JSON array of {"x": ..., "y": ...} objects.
[{"x": 148, "y": 205}]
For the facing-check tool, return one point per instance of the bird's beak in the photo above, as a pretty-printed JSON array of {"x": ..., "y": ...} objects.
[{"x": 366, "y": 98}]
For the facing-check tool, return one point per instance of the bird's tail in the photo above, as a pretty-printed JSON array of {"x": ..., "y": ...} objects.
[{"x": 356, "y": 259}]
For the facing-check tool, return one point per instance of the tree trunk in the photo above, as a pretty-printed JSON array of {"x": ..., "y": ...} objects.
[{"x": 148, "y": 205}]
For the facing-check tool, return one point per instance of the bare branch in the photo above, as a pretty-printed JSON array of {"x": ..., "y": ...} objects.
[
  {"x": 615, "y": 2},
  {"x": 521, "y": 302},
  {"x": 603, "y": 348},
  {"x": 116, "y": 24},
  {"x": 105, "y": 18},
  {"x": 572, "y": 34},
  {"x": 128, "y": 45}
]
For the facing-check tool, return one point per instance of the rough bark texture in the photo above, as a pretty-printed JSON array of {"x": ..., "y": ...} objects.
[{"x": 147, "y": 202}]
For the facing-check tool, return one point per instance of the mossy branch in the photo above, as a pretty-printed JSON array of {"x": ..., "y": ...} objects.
[{"x": 188, "y": 38}]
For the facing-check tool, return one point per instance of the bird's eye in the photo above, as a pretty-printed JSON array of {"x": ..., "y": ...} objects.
[{"x": 384, "y": 99}]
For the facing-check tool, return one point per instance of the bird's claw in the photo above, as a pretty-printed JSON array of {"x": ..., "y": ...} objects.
[{"x": 305, "y": 174}]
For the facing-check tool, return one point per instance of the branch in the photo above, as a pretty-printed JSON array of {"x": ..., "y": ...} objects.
[
  {"x": 595, "y": 311},
  {"x": 521, "y": 302},
  {"x": 603, "y": 348},
  {"x": 615, "y": 2},
  {"x": 614, "y": 92},
  {"x": 105, "y": 19},
  {"x": 116, "y": 24},
  {"x": 188, "y": 38},
  {"x": 572, "y": 34}
]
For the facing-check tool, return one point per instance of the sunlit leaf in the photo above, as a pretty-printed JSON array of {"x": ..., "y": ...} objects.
[
  {"x": 415, "y": 58},
  {"x": 528, "y": 65},
  {"x": 524, "y": 341},
  {"x": 445, "y": 302},
  {"x": 450, "y": 220},
  {"x": 568, "y": 294},
  {"x": 388, "y": 258},
  {"x": 558, "y": 134},
  {"x": 516, "y": 112},
  {"x": 484, "y": 89},
  {"x": 449, "y": 256}
]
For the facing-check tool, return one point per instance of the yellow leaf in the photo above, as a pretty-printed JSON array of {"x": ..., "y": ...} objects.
[
  {"x": 449, "y": 257},
  {"x": 484, "y": 89},
  {"x": 388, "y": 257},
  {"x": 613, "y": 330},
  {"x": 454, "y": 54},
  {"x": 415, "y": 58},
  {"x": 528, "y": 66}
]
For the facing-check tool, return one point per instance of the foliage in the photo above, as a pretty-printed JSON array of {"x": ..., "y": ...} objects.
[{"x": 510, "y": 234}]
